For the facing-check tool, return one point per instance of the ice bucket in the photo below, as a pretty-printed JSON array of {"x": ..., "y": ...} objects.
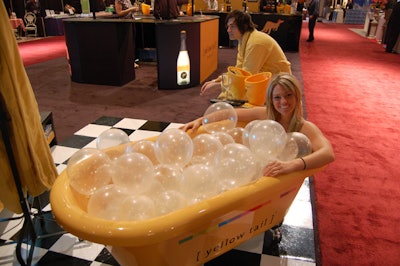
[{"x": 189, "y": 236}]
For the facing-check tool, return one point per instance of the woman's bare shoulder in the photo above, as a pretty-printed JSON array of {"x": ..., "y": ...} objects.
[{"x": 309, "y": 128}]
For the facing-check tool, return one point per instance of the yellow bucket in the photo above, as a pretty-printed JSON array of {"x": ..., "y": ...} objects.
[
  {"x": 145, "y": 9},
  {"x": 287, "y": 9},
  {"x": 280, "y": 9},
  {"x": 237, "y": 89},
  {"x": 256, "y": 88},
  {"x": 189, "y": 236}
]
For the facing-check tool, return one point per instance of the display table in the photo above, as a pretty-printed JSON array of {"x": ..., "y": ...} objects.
[
  {"x": 17, "y": 22},
  {"x": 355, "y": 16},
  {"x": 284, "y": 28},
  {"x": 54, "y": 24},
  {"x": 18, "y": 26},
  {"x": 163, "y": 35},
  {"x": 100, "y": 51}
]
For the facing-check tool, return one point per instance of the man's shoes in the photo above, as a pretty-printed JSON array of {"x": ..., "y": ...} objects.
[{"x": 310, "y": 40}]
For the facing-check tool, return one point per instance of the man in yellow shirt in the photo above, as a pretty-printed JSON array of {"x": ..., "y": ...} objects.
[{"x": 257, "y": 51}]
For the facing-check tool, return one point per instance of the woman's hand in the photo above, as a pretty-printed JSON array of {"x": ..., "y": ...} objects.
[
  {"x": 210, "y": 84},
  {"x": 134, "y": 9},
  {"x": 193, "y": 125},
  {"x": 277, "y": 167}
]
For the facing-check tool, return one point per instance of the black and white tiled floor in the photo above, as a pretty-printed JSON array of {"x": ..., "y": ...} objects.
[{"x": 296, "y": 248}]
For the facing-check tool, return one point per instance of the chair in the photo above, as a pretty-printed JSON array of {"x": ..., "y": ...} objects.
[{"x": 30, "y": 24}]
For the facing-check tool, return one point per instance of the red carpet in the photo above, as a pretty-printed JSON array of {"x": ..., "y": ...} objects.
[
  {"x": 41, "y": 50},
  {"x": 352, "y": 90}
]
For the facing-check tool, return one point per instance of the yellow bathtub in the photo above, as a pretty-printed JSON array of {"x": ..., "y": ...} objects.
[{"x": 190, "y": 236}]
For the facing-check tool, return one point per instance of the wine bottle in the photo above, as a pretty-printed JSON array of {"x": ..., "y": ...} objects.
[{"x": 183, "y": 62}]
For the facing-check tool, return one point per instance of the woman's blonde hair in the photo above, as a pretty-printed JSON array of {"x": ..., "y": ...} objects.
[{"x": 291, "y": 83}]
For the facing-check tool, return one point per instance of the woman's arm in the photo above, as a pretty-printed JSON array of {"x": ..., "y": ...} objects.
[
  {"x": 123, "y": 13},
  {"x": 215, "y": 83},
  {"x": 322, "y": 154},
  {"x": 322, "y": 151}
]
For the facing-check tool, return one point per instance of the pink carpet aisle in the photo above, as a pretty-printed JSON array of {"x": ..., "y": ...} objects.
[
  {"x": 41, "y": 50},
  {"x": 352, "y": 90}
]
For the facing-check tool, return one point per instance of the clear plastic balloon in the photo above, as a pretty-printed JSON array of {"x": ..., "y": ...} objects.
[
  {"x": 205, "y": 146},
  {"x": 110, "y": 138},
  {"x": 199, "y": 183},
  {"x": 224, "y": 138},
  {"x": 145, "y": 147},
  {"x": 237, "y": 134},
  {"x": 154, "y": 188},
  {"x": 246, "y": 132},
  {"x": 219, "y": 117},
  {"x": 136, "y": 208},
  {"x": 105, "y": 202},
  {"x": 134, "y": 172},
  {"x": 235, "y": 165},
  {"x": 303, "y": 143},
  {"x": 169, "y": 176},
  {"x": 267, "y": 139},
  {"x": 290, "y": 151},
  {"x": 174, "y": 146},
  {"x": 88, "y": 170},
  {"x": 169, "y": 201}
]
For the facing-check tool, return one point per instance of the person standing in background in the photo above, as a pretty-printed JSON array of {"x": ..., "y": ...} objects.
[
  {"x": 300, "y": 6},
  {"x": 33, "y": 6},
  {"x": 212, "y": 5},
  {"x": 166, "y": 9},
  {"x": 312, "y": 18},
  {"x": 125, "y": 9},
  {"x": 393, "y": 28},
  {"x": 349, "y": 4},
  {"x": 268, "y": 6}
]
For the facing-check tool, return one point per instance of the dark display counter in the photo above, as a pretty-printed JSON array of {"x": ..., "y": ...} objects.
[
  {"x": 285, "y": 29},
  {"x": 88, "y": 39},
  {"x": 100, "y": 51},
  {"x": 54, "y": 25}
]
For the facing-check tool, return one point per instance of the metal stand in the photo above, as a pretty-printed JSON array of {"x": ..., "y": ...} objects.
[{"x": 28, "y": 231}]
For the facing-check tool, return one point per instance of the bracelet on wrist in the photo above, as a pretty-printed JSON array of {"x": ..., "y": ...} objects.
[{"x": 304, "y": 163}]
